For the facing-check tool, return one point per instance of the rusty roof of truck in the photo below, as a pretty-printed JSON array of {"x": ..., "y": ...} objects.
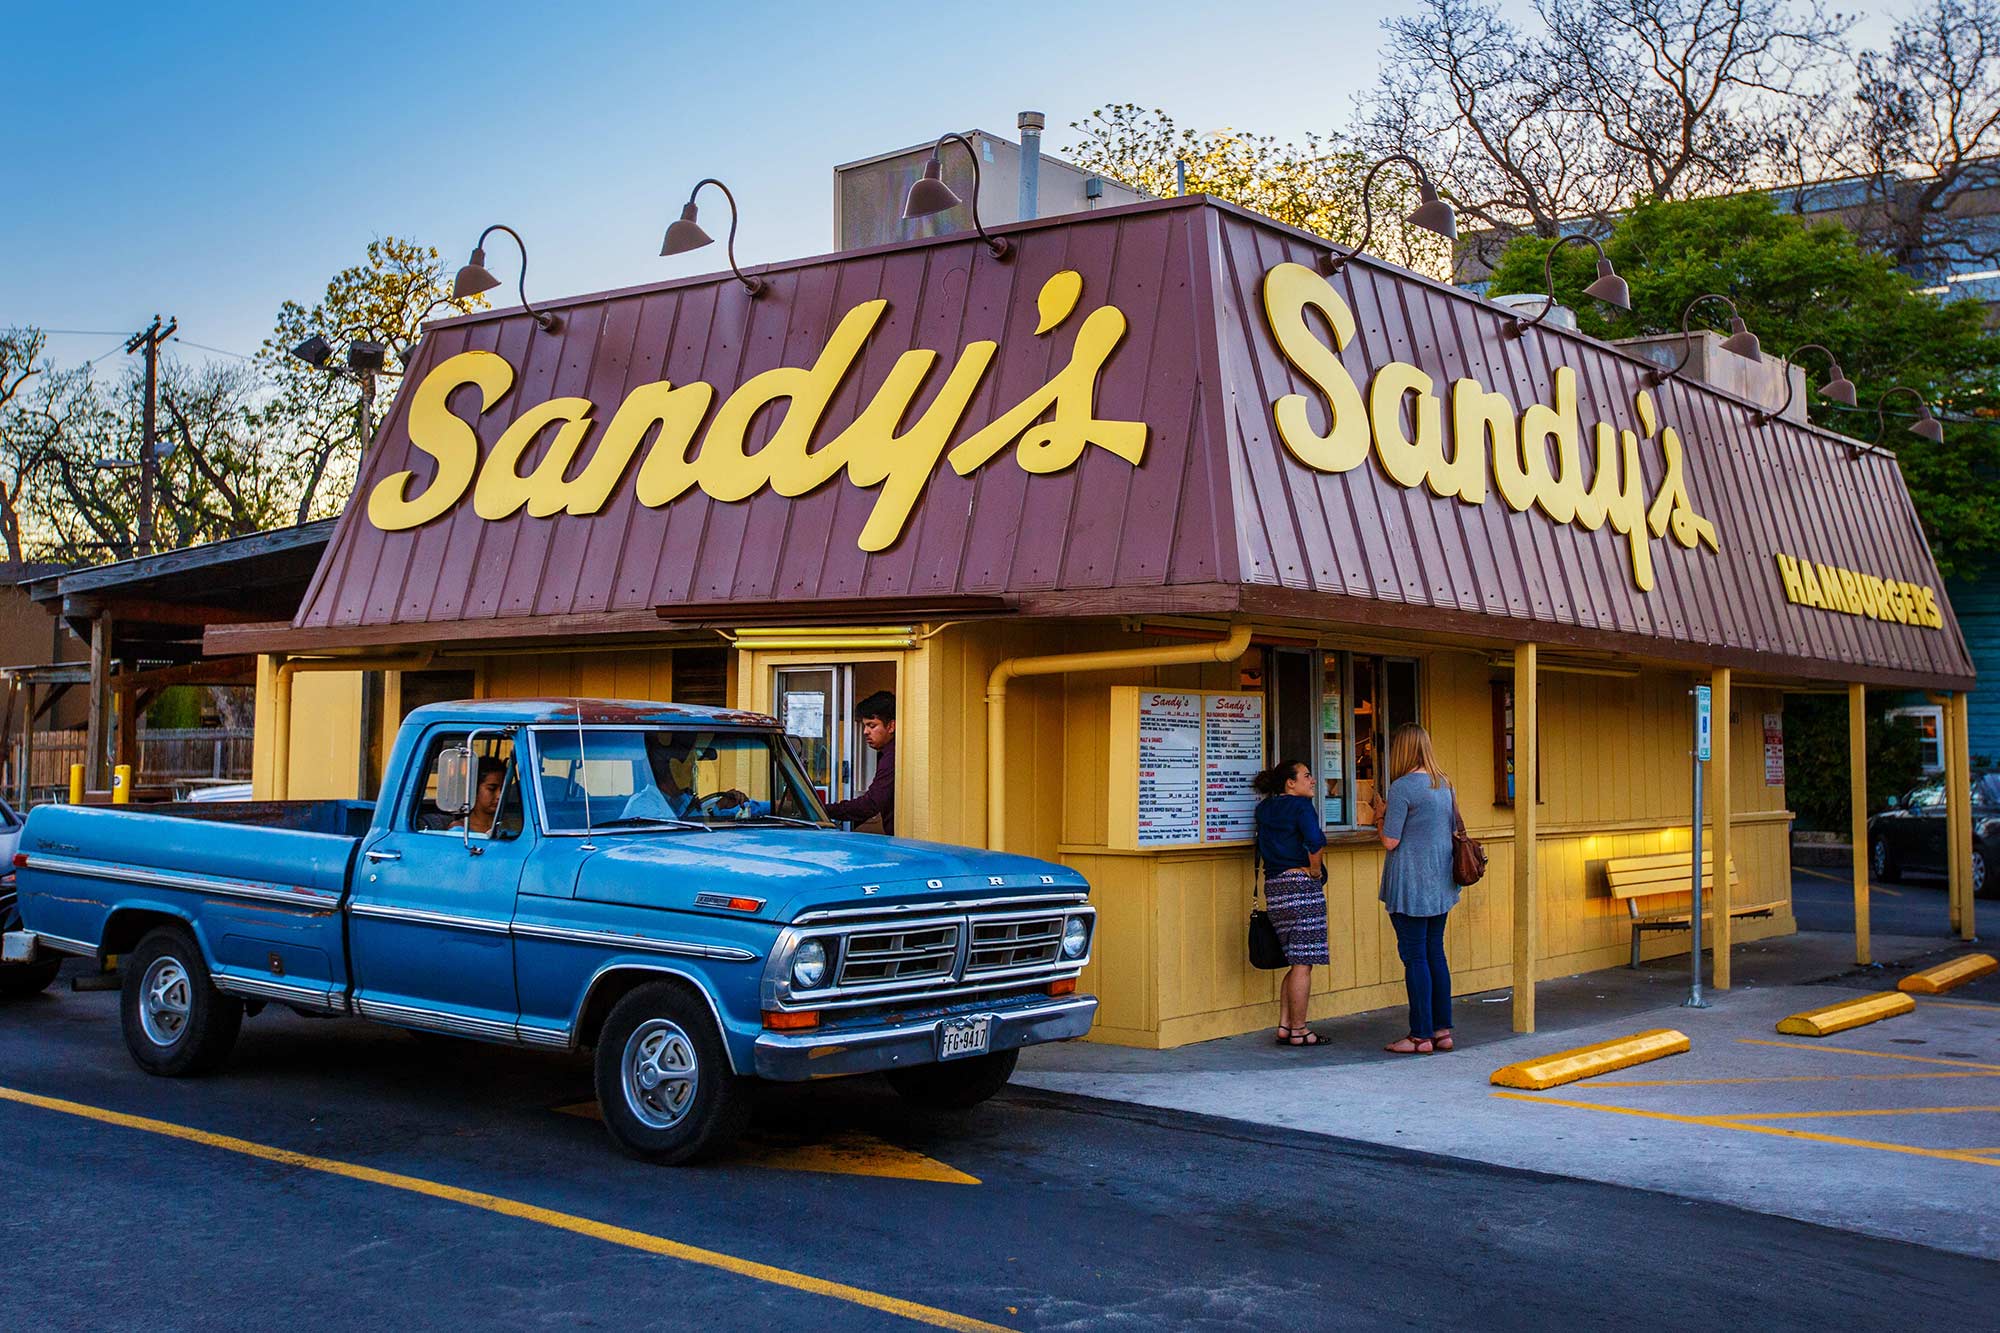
[{"x": 590, "y": 712}]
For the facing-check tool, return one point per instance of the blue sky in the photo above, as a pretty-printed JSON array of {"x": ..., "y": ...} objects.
[{"x": 210, "y": 160}]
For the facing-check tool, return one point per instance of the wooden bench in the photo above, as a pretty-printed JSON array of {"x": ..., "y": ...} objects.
[{"x": 1634, "y": 878}]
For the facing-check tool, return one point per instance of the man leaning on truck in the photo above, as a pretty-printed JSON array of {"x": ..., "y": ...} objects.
[{"x": 878, "y": 728}]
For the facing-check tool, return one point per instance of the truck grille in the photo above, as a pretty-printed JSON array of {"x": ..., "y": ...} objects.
[
  {"x": 899, "y": 955},
  {"x": 999, "y": 945}
]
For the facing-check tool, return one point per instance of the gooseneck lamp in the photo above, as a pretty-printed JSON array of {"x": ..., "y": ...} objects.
[
  {"x": 475, "y": 277},
  {"x": 1432, "y": 213},
  {"x": 1838, "y": 387},
  {"x": 1925, "y": 426},
  {"x": 1740, "y": 340},
  {"x": 1608, "y": 286},
  {"x": 686, "y": 234},
  {"x": 931, "y": 195}
]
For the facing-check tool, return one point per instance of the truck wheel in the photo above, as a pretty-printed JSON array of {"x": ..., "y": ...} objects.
[
  {"x": 176, "y": 1022},
  {"x": 957, "y": 1086},
  {"x": 20, "y": 980},
  {"x": 663, "y": 1079}
]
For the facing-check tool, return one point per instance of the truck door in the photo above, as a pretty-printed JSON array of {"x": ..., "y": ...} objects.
[{"x": 432, "y": 910}]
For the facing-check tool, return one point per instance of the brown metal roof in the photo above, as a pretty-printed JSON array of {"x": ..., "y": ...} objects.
[{"x": 1216, "y": 502}]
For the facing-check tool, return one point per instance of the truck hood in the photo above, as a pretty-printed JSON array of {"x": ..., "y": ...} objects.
[{"x": 796, "y": 870}]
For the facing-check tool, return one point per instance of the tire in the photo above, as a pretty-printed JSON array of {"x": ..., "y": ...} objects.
[
  {"x": 20, "y": 980},
  {"x": 1883, "y": 863},
  {"x": 177, "y": 1024},
  {"x": 957, "y": 1086},
  {"x": 663, "y": 1036},
  {"x": 1980, "y": 885}
]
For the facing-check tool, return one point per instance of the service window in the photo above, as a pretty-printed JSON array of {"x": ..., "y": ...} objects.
[
  {"x": 1929, "y": 722},
  {"x": 496, "y": 802},
  {"x": 1335, "y": 711}
]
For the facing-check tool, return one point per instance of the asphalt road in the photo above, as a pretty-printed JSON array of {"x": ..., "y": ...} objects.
[
  {"x": 1823, "y": 899},
  {"x": 1085, "y": 1215}
]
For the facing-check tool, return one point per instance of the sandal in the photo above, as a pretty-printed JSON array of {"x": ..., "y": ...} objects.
[
  {"x": 1409, "y": 1046},
  {"x": 1441, "y": 1039},
  {"x": 1305, "y": 1036},
  {"x": 1284, "y": 1036}
]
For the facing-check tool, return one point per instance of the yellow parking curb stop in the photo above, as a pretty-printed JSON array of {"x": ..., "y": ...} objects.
[
  {"x": 1937, "y": 980},
  {"x": 1550, "y": 1071},
  {"x": 1838, "y": 1017}
]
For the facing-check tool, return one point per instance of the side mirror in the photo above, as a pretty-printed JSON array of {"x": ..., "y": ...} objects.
[
  {"x": 454, "y": 775},
  {"x": 1891, "y": 804}
]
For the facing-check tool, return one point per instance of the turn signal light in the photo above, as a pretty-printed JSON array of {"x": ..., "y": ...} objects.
[
  {"x": 20, "y": 860},
  {"x": 1067, "y": 986},
  {"x": 778, "y": 1020},
  {"x": 745, "y": 904}
]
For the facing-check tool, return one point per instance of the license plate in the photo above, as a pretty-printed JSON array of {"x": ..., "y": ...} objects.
[{"x": 960, "y": 1037}]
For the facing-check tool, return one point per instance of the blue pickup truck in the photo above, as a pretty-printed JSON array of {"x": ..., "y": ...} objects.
[{"x": 657, "y": 882}]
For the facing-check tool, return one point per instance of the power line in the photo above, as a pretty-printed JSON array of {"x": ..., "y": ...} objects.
[
  {"x": 223, "y": 350},
  {"x": 86, "y": 333}
]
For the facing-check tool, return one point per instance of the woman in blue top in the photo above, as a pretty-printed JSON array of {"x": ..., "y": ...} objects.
[
  {"x": 1415, "y": 824},
  {"x": 1290, "y": 843}
]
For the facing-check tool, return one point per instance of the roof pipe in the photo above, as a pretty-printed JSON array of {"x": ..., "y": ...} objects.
[
  {"x": 1225, "y": 650},
  {"x": 281, "y": 703},
  {"x": 1030, "y": 124}
]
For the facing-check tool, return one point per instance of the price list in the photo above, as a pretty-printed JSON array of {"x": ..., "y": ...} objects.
[
  {"x": 1232, "y": 753},
  {"x": 1170, "y": 768}
]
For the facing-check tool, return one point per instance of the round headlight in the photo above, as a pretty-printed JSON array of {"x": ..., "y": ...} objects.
[
  {"x": 1076, "y": 937},
  {"x": 809, "y": 965}
]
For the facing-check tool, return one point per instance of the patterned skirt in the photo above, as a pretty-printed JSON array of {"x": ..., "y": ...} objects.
[{"x": 1297, "y": 904}]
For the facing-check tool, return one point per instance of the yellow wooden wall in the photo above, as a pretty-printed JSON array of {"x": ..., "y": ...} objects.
[
  {"x": 326, "y": 734},
  {"x": 640, "y": 674}
]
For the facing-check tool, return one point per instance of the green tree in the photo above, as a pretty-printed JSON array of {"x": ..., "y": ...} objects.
[
  {"x": 1816, "y": 786},
  {"x": 1313, "y": 183},
  {"x": 1796, "y": 283},
  {"x": 313, "y": 414}
]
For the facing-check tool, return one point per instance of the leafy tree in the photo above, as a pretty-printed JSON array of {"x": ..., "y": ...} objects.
[
  {"x": 1314, "y": 183},
  {"x": 1816, "y": 786},
  {"x": 313, "y": 415},
  {"x": 1796, "y": 283}
]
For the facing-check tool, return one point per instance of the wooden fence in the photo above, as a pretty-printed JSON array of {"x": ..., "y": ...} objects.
[{"x": 218, "y": 753}]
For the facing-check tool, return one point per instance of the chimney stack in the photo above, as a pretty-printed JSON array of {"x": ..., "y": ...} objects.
[{"x": 1030, "y": 124}]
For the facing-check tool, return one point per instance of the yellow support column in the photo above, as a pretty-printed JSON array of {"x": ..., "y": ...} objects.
[
  {"x": 1956, "y": 788},
  {"x": 1719, "y": 803},
  {"x": 1960, "y": 713},
  {"x": 1857, "y": 798},
  {"x": 1527, "y": 908}
]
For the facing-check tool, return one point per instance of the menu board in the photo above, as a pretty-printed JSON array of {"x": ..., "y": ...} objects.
[
  {"x": 1232, "y": 753},
  {"x": 1169, "y": 768},
  {"x": 1197, "y": 753}
]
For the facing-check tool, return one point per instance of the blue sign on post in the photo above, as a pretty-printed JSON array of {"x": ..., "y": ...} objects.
[{"x": 1702, "y": 723}]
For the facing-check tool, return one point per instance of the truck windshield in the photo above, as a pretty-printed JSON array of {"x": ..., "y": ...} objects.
[{"x": 664, "y": 778}]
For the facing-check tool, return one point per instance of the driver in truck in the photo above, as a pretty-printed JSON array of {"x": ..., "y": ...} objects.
[{"x": 670, "y": 754}]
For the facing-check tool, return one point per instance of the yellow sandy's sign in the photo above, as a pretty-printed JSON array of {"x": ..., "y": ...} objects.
[
  {"x": 875, "y": 449},
  {"x": 1831, "y": 588},
  {"x": 1483, "y": 424}
]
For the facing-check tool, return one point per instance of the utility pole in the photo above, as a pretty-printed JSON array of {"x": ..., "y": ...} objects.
[{"x": 150, "y": 339}]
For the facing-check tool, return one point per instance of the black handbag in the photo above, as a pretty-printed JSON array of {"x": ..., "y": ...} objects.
[{"x": 1267, "y": 951}]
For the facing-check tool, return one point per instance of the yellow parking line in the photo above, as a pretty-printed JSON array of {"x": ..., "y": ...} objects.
[
  {"x": 1836, "y": 1115},
  {"x": 1877, "y": 1055},
  {"x": 1712, "y": 1122},
  {"x": 1794, "y": 1078},
  {"x": 1844, "y": 879},
  {"x": 493, "y": 1203},
  {"x": 1926, "y": 1002}
]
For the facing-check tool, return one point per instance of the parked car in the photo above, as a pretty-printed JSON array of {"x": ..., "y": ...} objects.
[
  {"x": 656, "y": 882},
  {"x": 1910, "y": 834},
  {"x": 26, "y": 978}
]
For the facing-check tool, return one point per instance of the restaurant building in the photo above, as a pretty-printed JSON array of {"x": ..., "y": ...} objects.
[{"x": 1121, "y": 516}]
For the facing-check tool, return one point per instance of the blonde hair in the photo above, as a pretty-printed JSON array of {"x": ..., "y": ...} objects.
[{"x": 1410, "y": 749}]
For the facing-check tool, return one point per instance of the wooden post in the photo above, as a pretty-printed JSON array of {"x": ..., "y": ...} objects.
[
  {"x": 1960, "y": 713},
  {"x": 27, "y": 748},
  {"x": 1719, "y": 802},
  {"x": 125, "y": 751},
  {"x": 96, "y": 773},
  {"x": 1857, "y": 797},
  {"x": 1527, "y": 908}
]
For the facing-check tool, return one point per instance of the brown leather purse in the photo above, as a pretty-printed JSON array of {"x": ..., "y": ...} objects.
[{"x": 1468, "y": 858}]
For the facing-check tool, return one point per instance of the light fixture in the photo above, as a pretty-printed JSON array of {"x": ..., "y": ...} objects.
[
  {"x": 1740, "y": 340},
  {"x": 1925, "y": 426},
  {"x": 931, "y": 195},
  {"x": 1838, "y": 387},
  {"x": 475, "y": 277},
  {"x": 686, "y": 234},
  {"x": 314, "y": 351},
  {"x": 365, "y": 357},
  {"x": 1432, "y": 213},
  {"x": 1608, "y": 286}
]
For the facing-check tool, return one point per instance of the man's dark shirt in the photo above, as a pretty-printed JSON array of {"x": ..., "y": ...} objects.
[{"x": 879, "y": 799}]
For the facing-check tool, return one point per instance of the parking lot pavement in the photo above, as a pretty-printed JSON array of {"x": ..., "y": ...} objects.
[
  {"x": 342, "y": 1171},
  {"x": 1892, "y": 1130},
  {"x": 1823, "y": 899}
]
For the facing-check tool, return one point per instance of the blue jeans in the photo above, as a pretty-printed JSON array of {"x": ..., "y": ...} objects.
[{"x": 1420, "y": 943}]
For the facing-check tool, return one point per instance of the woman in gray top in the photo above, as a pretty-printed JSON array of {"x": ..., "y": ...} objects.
[{"x": 1415, "y": 825}]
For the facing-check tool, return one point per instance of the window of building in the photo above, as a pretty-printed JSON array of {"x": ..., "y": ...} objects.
[
  {"x": 1503, "y": 747},
  {"x": 1335, "y": 711},
  {"x": 1929, "y": 722}
]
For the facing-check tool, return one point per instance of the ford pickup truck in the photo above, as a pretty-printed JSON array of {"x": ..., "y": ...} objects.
[{"x": 658, "y": 883}]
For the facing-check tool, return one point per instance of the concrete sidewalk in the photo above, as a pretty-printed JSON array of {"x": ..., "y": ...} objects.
[{"x": 1891, "y": 1130}]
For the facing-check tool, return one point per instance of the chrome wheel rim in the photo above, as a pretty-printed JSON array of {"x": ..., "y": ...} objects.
[
  {"x": 660, "y": 1073},
  {"x": 1978, "y": 872},
  {"x": 1879, "y": 858},
  {"x": 166, "y": 994}
]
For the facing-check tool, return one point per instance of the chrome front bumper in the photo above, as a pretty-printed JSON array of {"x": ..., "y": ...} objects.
[{"x": 787, "y": 1058}]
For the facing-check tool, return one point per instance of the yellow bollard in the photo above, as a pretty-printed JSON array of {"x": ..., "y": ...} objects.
[
  {"x": 121, "y": 785},
  {"x": 76, "y": 784}
]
